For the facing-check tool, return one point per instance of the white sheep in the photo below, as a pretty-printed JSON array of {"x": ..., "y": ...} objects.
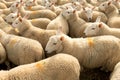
[
  {"x": 60, "y": 67},
  {"x": 105, "y": 49},
  {"x": 7, "y": 27},
  {"x": 60, "y": 20},
  {"x": 13, "y": 8},
  {"x": 26, "y": 29},
  {"x": 90, "y": 15},
  {"x": 38, "y": 22},
  {"x": 112, "y": 13},
  {"x": 37, "y": 14},
  {"x": 21, "y": 50},
  {"x": 115, "y": 75},
  {"x": 100, "y": 28},
  {"x": 76, "y": 24}
]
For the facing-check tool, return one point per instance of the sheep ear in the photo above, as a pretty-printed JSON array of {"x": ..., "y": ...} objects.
[
  {"x": 74, "y": 11},
  {"x": 109, "y": 2},
  {"x": 98, "y": 19},
  {"x": 100, "y": 25},
  {"x": 20, "y": 19},
  {"x": 61, "y": 38},
  {"x": 17, "y": 5}
]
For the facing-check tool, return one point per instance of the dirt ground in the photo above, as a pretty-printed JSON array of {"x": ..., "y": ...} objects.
[{"x": 94, "y": 74}]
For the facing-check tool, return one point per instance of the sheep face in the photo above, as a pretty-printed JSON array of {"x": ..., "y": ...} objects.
[
  {"x": 17, "y": 23},
  {"x": 10, "y": 18},
  {"x": 67, "y": 12},
  {"x": 102, "y": 7},
  {"x": 48, "y": 5},
  {"x": 88, "y": 12},
  {"x": 54, "y": 44},
  {"x": 92, "y": 30},
  {"x": 29, "y": 3},
  {"x": 14, "y": 7}
]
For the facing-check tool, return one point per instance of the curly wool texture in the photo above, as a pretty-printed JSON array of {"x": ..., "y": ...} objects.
[
  {"x": 89, "y": 51},
  {"x": 60, "y": 67},
  {"x": 21, "y": 50}
]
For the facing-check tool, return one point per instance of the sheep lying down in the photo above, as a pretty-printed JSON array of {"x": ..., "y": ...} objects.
[
  {"x": 92, "y": 52},
  {"x": 58, "y": 67}
]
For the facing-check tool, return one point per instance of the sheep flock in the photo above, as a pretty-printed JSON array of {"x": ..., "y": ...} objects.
[{"x": 59, "y": 39}]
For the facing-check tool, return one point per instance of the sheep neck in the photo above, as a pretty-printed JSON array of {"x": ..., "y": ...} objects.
[
  {"x": 111, "y": 11},
  {"x": 104, "y": 30},
  {"x": 67, "y": 45},
  {"x": 25, "y": 26},
  {"x": 22, "y": 10}
]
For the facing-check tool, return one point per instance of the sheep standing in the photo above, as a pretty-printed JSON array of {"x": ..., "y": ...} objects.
[
  {"x": 21, "y": 50},
  {"x": 60, "y": 67},
  {"x": 60, "y": 20},
  {"x": 100, "y": 28},
  {"x": 37, "y": 14},
  {"x": 112, "y": 13},
  {"x": 115, "y": 75},
  {"x": 26, "y": 29},
  {"x": 76, "y": 24},
  {"x": 88, "y": 51},
  {"x": 89, "y": 15}
]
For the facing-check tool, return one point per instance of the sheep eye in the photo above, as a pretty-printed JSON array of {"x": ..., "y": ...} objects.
[
  {"x": 16, "y": 23},
  {"x": 12, "y": 17},
  {"x": 54, "y": 43},
  {"x": 68, "y": 12},
  {"x": 93, "y": 28},
  {"x": 103, "y": 5}
]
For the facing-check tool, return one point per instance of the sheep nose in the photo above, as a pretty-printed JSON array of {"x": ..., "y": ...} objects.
[{"x": 89, "y": 19}]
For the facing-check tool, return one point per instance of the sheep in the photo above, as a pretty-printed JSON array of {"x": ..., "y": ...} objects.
[
  {"x": 26, "y": 29},
  {"x": 59, "y": 67},
  {"x": 3, "y": 55},
  {"x": 38, "y": 22},
  {"x": 12, "y": 8},
  {"x": 88, "y": 51},
  {"x": 7, "y": 27},
  {"x": 90, "y": 16},
  {"x": 100, "y": 28},
  {"x": 59, "y": 21},
  {"x": 21, "y": 50},
  {"x": 76, "y": 24},
  {"x": 115, "y": 75},
  {"x": 112, "y": 13},
  {"x": 37, "y": 14}
]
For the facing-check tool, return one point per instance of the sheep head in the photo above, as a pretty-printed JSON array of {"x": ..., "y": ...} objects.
[
  {"x": 29, "y": 3},
  {"x": 67, "y": 12},
  {"x": 104, "y": 6},
  {"x": 11, "y": 17},
  {"x": 14, "y": 6},
  {"x": 93, "y": 29},
  {"x": 55, "y": 42},
  {"x": 88, "y": 12}
]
